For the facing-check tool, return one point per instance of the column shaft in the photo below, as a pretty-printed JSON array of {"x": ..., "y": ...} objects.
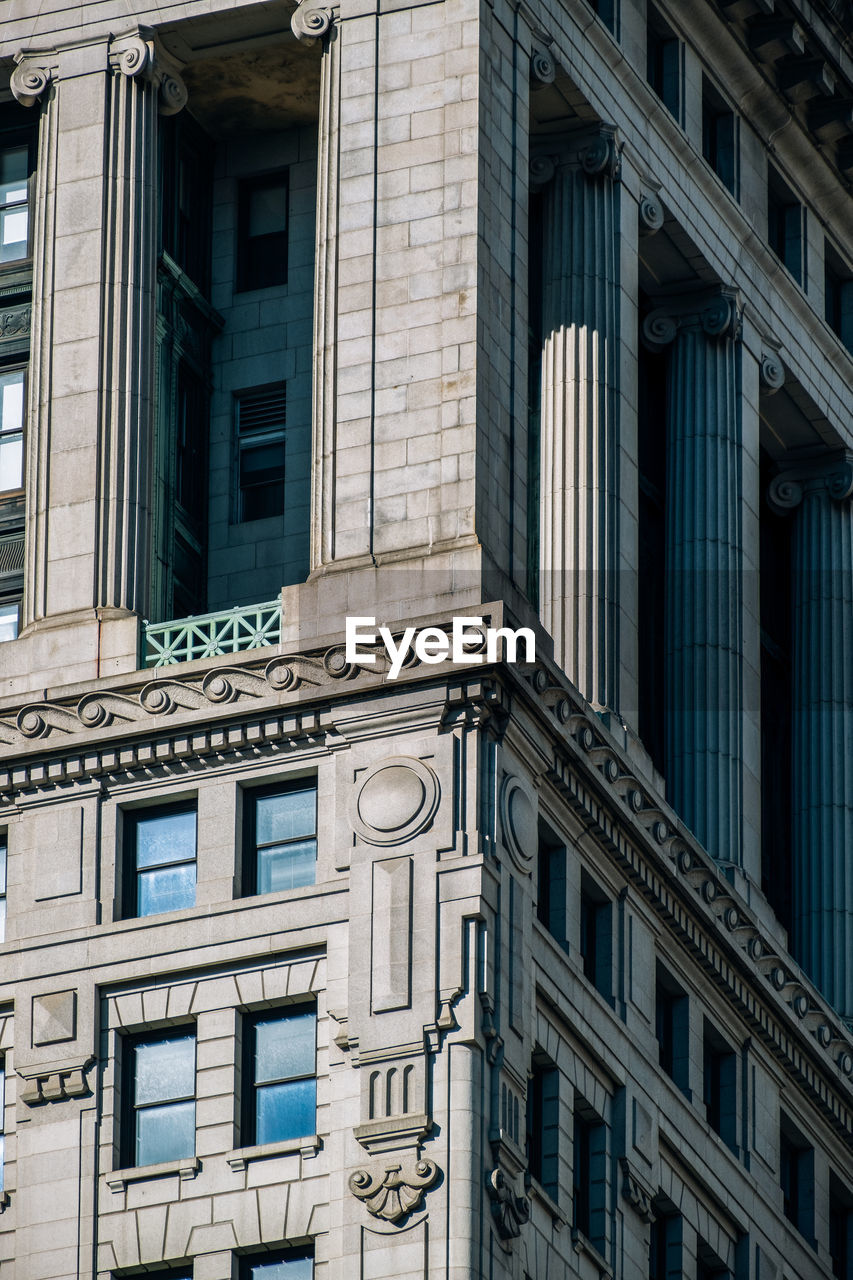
[
  {"x": 704, "y": 617},
  {"x": 579, "y": 450}
]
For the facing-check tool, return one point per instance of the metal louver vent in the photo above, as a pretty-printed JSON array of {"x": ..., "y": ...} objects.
[
  {"x": 261, "y": 410},
  {"x": 12, "y": 553}
]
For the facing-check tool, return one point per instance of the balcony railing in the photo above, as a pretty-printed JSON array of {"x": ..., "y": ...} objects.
[{"x": 207, "y": 635}]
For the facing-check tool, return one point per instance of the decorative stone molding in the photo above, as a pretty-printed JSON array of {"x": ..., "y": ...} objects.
[
  {"x": 603, "y": 156},
  {"x": 509, "y": 1210},
  {"x": 771, "y": 373},
  {"x": 542, "y": 170},
  {"x": 15, "y": 323},
  {"x": 393, "y": 1195},
  {"x": 394, "y": 801},
  {"x": 394, "y": 1133},
  {"x": 186, "y": 1170},
  {"x": 543, "y": 69},
  {"x": 636, "y": 1191},
  {"x": 311, "y": 23},
  {"x": 832, "y": 473},
  {"x": 716, "y": 312},
  {"x": 651, "y": 214},
  {"x": 55, "y": 1083},
  {"x": 32, "y": 76},
  {"x": 518, "y": 821},
  {"x": 141, "y": 55}
]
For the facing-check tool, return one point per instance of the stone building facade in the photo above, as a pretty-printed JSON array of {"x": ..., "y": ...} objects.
[{"x": 537, "y": 314}]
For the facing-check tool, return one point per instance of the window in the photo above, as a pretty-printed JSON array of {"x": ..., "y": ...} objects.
[
  {"x": 281, "y": 837},
  {"x": 589, "y": 1174},
  {"x": 3, "y": 857},
  {"x": 551, "y": 885},
  {"x": 543, "y": 1125},
  {"x": 840, "y": 1229},
  {"x": 2, "y": 1124},
  {"x": 159, "y": 1083},
  {"x": 606, "y": 10},
  {"x": 294, "y": 1264},
  {"x": 15, "y": 170},
  {"x": 796, "y": 1174},
  {"x": 596, "y": 941},
  {"x": 663, "y": 63},
  {"x": 719, "y": 137},
  {"x": 708, "y": 1265},
  {"x": 161, "y": 864},
  {"x": 260, "y": 453},
  {"x": 672, "y": 1013},
  {"x": 262, "y": 232},
  {"x": 786, "y": 226},
  {"x": 11, "y": 430},
  {"x": 838, "y": 296},
  {"x": 719, "y": 1086},
  {"x": 665, "y": 1236},
  {"x": 280, "y": 1068}
]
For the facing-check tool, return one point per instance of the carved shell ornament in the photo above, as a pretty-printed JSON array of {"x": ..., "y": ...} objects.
[{"x": 393, "y": 1194}]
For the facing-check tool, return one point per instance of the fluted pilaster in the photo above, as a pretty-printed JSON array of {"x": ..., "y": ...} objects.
[
  {"x": 580, "y": 425},
  {"x": 822, "y": 721},
  {"x": 704, "y": 573}
]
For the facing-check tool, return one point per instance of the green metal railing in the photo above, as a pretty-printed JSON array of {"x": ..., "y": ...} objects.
[{"x": 207, "y": 635}]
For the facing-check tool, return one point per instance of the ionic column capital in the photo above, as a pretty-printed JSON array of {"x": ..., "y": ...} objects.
[
  {"x": 771, "y": 372},
  {"x": 829, "y": 474},
  {"x": 595, "y": 152},
  {"x": 139, "y": 55},
  {"x": 310, "y": 22},
  {"x": 715, "y": 312},
  {"x": 650, "y": 212},
  {"x": 32, "y": 75}
]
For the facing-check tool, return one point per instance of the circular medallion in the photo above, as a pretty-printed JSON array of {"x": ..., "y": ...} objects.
[{"x": 394, "y": 800}]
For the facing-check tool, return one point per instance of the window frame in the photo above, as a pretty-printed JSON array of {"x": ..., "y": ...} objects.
[
  {"x": 4, "y": 893},
  {"x": 589, "y": 1170},
  {"x": 716, "y": 112},
  {"x": 250, "y": 1087},
  {"x": 543, "y": 1125},
  {"x": 128, "y": 1133},
  {"x": 298, "y": 1253},
  {"x": 797, "y": 1179},
  {"x": 720, "y": 1086},
  {"x": 672, "y": 1029},
  {"x": 552, "y": 884},
  {"x": 130, "y": 820},
  {"x": 595, "y": 943},
  {"x": 665, "y": 47},
  {"x": 787, "y": 214},
  {"x": 272, "y": 434},
  {"x": 250, "y": 860},
  {"x": 12, "y": 136},
  {"x": 246, "y": 273}
]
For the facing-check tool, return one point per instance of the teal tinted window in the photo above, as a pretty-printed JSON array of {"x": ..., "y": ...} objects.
[{"x": 162, "y": 871}]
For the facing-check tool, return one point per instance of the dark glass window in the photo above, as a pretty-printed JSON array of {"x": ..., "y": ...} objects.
[
  {"x": 543, "y": 1126},
  {"x": 840, "y": 1229},
  {"x": 589, "y": 1174},
  {"x": 12, "y": 383},
  {"x": 665, "y": 1236},
  {"x": 295, "y": 1264},
  {"x": 786, "y": 226},
  {"x": 3, "y": 857},
  {"x": 186, "y": 186},
  {"x": 2, "y": 1122},
  {"x": 708, "y": 1265},
  {"x": 281, "y": 1101},
  {"x": 159, "y": 1084},
  {"x": 551, "y": 884},
  {"x": 262, "y": 232},
  {"x": 161, "y": 865},
  {"x": 838, "y": 296},
  {"x": 15, "y": 170},
  {"x": 651, "y": 587},
  {"x": 606, "y": 10},
  {"x": 596, "y": 940},
  {"x": 672, "y": 1028},
  {"x": 260, "y": 452},
  {"x": 663, "y": 63},
  {"x": 719, "y": 1086},
  {"x": 281, "y": 837},
  {"x": 796, "y": 1175},
  {"x": 719, "y": 137}
]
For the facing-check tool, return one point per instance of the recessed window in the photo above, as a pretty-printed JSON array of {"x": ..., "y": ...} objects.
[
  {"x": 161, "y": 862},
  {"x": 2, "y": 1123},
  {"x": 664, "y": 55},
  {"x": 840, "y": 1229},
  {"x": 709, "y": 1266},
  {"x": 665, "y": 1243},
  {"x": 786, "y": 226},
  {"x": 672, "y": 1028},
  {"x": 281, "y": 1066},
  {"x": 551, "y": 884},
  {"x": 606, "y": 10},
  {"x": 543, "y": 1126},
  {"x": 11, "y": 430},
  {"x": 596, "y": 943},
  {"x": 796, "y": 1175},
  {"x": 838, "y": 295},
  {"x": 589, "y": 1174},
  {"x": 295, "y": 1264},
  {"x": 262, "y": 232},
  {"x": 260, "y": 423},
  {"x": 159, "y": 1084},
  {"x": 719, "y": 137},
  {"x": 15, "y": 169},
  {"x": 719, "y": 1086},
  {"x": 4, "y": 851},
  {"x": 281, "y": 837}
]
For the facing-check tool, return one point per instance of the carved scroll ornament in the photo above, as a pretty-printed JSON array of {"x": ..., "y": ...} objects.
[{"x": 393, "y": 1194}]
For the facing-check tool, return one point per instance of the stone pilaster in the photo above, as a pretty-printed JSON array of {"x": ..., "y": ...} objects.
[
  {"x": 819, "y": 494},
  {"x": 704, "y": 571},
  {"x": 580, "y": 427}
]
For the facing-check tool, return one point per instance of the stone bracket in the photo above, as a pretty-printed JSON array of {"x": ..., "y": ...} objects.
[
  {"x": 394, "y": 1194},
  {"x": 509, "y": 1210},
  {"x": 636, "y": 1191},
  {"x": 55, "y": 1084}
]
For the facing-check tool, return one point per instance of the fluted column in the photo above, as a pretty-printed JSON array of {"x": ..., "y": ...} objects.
[
  {"x": 579, "y": 530},
  {"x": 819, "y": 494},
  {"x": 704, "y": 573}
]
